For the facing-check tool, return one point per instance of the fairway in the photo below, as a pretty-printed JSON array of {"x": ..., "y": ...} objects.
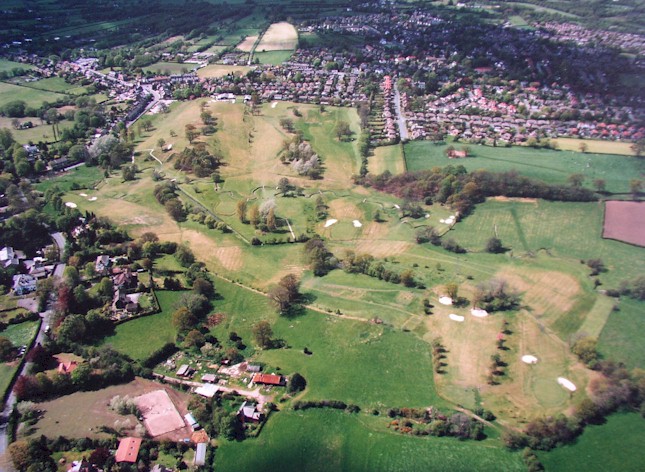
[
  {"x": 550, "y": 166},
  {"x": 326, "y": 441},
  {"x": 388, "y": 158},
  {"x": 621, "y": 338}
]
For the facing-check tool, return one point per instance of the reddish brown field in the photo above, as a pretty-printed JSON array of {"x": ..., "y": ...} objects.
[{"x": 625, "y": 221}]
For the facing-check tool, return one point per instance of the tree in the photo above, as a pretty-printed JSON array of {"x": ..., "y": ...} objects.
[
  {"x": 271, "y": 223},
  {"x": 576, "y": 180},
  {"x": 292, "y": 284},
  {"x": 6, "y": 348},
  {"x": 452, "y": 290},
  {"x": 297, "y": 383},
  {"x": 635, "y": 187},
  {"x": 600, "y": 185},
  {"x": 342, "y": 130},
  {"x": 283, "y": 185},
  {"x": 254, "y": 215},
  {"x": 494, "y": 246},
  {"x": 262, "y": 332},
  {"x": 20, "y": 456},
  {"x": 638, "y": 147},
  {"x": 583, "y": 147},
  {"x": 585, "y": 350},
  {"x": 194, "y": 339},
  {"x": 280, "y": 298},
  {"x": 240, "y": 210},
  {"x": 191, "y": 133},
  {"x": 184, "y": 255},
  {"x": 175, "y": 209},
  {"x": 161, "y": 143},
  {"x": 183, "y": 319}
]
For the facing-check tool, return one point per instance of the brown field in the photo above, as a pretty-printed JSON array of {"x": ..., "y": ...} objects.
[
  {"x": 625, "y": 221},
  {"x": 278, "y": 37},
  {"x": 382, "y": 248},
  {"x": 220, "y": 70},
  {"x": 81, "y": 414},
  {"x": 595, "y": 146},
  {"x": 229, "y": 257},
  {"x": 247, "y": 44},
  {"x": 159, "y": 413},
  {"x": 501, "y": 198},
  {"x": 344, "y": 210}
]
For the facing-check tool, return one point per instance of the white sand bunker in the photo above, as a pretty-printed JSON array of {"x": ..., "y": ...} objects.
[
  {"x": 442, "y": 220},
  {"x": 445, "y": 300},
  {"x": 357, "y": 224},
  {"x": 529, "y": 359},
  {"x": 70, "y": 205},
  {"x": 328, "y": 223},
  {"x": 568, "y": 384},
  {"x": 274, "y": 104},
  {"x": 83, "y": 194},
  {"x": 479, "y": 313},
  {"x": 92, "y": 199},
  {"x": 397, "y": 206},
  {"x": 454, "y": 317}
]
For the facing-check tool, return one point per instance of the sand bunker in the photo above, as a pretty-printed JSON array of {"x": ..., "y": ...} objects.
[
  {"x": 479, "y": 313},
  {"x": 70, "y": 205},
  {"x": 445, "y": 300},
  {"x": 159, "y": 413},
  {"x": 274, "y": 104},
  {"x": 328, "y": 223},
  {"x": 568, "y": 384},
  {"x": 357, "y": 224},
  {"x": 529, "y": 359},
  {"x": 83, "y": 194},
  {"x": 454, "y": 317},
  {"x": 397, "y": 206},
  {"x": 92, "y": 199}
]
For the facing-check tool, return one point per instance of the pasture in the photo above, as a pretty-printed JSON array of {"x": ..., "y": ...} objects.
[
  {"x": 220, "y": 70},
  {"x": 621, "y": 337},
  {"x": 615, "y": 445},
  {"x": 169, "y": 68},
  {"x": 32, "y": 97},
  {"x": 323, "y": 440},
  {"x": 550, "y": 166},
  {"x": 272, "y": 57},
  {"x": 595, "y": 146},
  {"x": 8, "y": 66}
]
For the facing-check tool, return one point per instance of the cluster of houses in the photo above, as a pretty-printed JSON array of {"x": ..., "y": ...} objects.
[
  {"x": 34, "y": 269},
  {"x": 583, "y": 36},
  {"x": 125, "y": 299}
]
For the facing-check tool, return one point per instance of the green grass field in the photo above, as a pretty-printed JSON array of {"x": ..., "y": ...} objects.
[
  {"x": 140, "y": 337},
  {"x": 621, "y": 338},
  {"x": 32, "y": 97},
  {"x": 334, "y": 441},
  {"x": 169, "y": 68},
  {"x": 388, "y": 158},
  {"x": 52, "y": 84},
  {"x": 22, "y": 333},
  {"x": 7, "y": 66},
  {"x": 272, "y": 57},
  {"x": 569, "y": 230},
  {"x": 84, "y": 176},
  {"x": 547, "y": 165},
  {"x": 615, "y": 445}
]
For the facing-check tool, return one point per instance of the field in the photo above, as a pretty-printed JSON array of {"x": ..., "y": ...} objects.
[
  {"x": 20, "y": 335},
  {"x": 388, "y": 158},
  {"x": 7, "y": 66},
  {"x": 625, "y": 221},
  {"x": 218, "y": 70},
  {"x": 615, "y": 445},
  {"x": 272, "y": 57},
  {"x": 547, "y": 165},
  {"x": 279, "y": 37},
  {"x": 168, "y": 68},
  {"x": 158, "y": 330},
  {"x": 31, "y": 97},
  {"x": 327, "y": 440},
  {"x": 595, "y": 146},
  {"x": 620, "y": 339},
  {"x": 81, "y": 414}
]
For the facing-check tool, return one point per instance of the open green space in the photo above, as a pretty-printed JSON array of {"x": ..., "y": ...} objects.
[
  {"x": 621, "y": 339},
  {"x": 543, "y": 164},
  {"x": 21, "y": 334},
  {"x": 326, "y": 440},
  {"x": 140, "y": 337},
  {"x": 388, "y": 158},
  {"x": 32, "y": 97},
  {"x": 272, "y": 57},
  {"x": 8, "y": 66},
  {"x": 169, "y": 68},
  {"x": 52, "y": 84},
  {"x": 615, "y": 445},
  {"x": 527, "y": 227},
  {"x": 83, "y": 177}
]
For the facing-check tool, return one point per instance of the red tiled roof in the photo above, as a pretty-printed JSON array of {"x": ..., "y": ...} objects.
[
  {"x": 128, "y": 450},
  {"x": 269, "y": 379}
]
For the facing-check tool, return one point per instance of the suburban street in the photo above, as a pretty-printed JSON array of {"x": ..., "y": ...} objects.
[{"x": 403, "y": 128}]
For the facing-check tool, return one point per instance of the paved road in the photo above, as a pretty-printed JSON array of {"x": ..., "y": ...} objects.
[{"x": 403, "y": 127}]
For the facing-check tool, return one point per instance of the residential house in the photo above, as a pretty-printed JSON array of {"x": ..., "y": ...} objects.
[
  {"x": 9, "y": 257},
  {"x": 67, "y": 367},
  {"x": 128, "y": 450},
  {"x": 249, "y": 412},
  {"x": 23, "y": 284},
  {"x": 209, "y": 378},
  {"x": 124, "y": 279},
  {"x": 200, "y": 454},
  {"x": 102, "y": 264},
  {"x": 253, "y": 368},
  {"x": 185, "y": 371}
]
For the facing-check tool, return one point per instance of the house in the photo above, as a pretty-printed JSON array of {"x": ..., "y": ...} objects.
[
  {"x": 67, "y": 367},
  {"x": 249, "y": 412},
  {"x": 123, "y": 301},
  {"x": 9, "y": 257},
  {"x": 200, "y": 454},
  {"x": 200, "y": 436},
  {"x": 192, "y": 422},
  {"x": 253, "y": 368},
  {"x": 454, "y": 154},
  {"x": 23, "y": 284},
  {"x": 209, "y": 378},
  {"x": 185, "y": 371},
  {"x": 58, "y": 164},
  {"x": 268, "y": 379},
  {"x": 102, "y": 264},
  {"x": 128, "y": 450},
  {"x": 124, "y": 278},
  {"x": 208, "y": 390}
]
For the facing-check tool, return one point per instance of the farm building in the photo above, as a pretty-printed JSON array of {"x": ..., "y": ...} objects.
[
  {"x": 253, "y": 368},
  {"x": 128, "y": 450},
  {"x": 268, "y": 379},
  {"x": 209, "y": 378},
  {"x": 200, "y": 454},
  {"x": 208, "y": 390},
  {"x": 192, "y": 422},
  {"x": 185, "y": 371}
]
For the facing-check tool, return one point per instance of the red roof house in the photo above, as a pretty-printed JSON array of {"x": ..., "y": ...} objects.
[
  {"x": 128, "y": 450},
  {"x": 268, "y": 379}
]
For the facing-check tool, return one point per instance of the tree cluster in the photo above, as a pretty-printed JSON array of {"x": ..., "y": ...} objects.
[
  {"x": 495, "y": 295},
  {"x": 365, "y": 264},
  {"x": 302, "y": 157},
  {"x": 319, "y": 257},
  {"x": 198, "y": 160},
  {"x": 432, "y": 422},
  {"x": 166, "y": 194}
]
